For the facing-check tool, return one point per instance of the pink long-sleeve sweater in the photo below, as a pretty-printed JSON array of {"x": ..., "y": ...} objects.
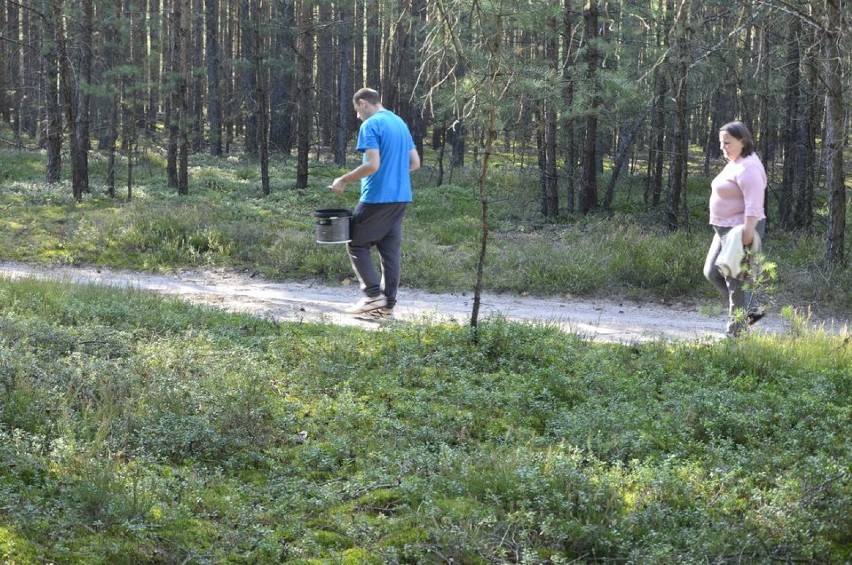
[{"x": 738, "y": 191}]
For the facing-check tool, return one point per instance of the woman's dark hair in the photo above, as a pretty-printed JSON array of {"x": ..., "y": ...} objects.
[
  {"x": 739, "y": 131},
  {"x": 368, "y": 94}
]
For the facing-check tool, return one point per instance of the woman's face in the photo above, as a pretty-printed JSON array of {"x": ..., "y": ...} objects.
[{"x": 731, "y": 147}]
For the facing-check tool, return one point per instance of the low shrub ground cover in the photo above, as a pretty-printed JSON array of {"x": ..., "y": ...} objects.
[{"x": 139, "y": 429}]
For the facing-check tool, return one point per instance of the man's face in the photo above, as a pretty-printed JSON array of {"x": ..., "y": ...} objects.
[{"x": 364, "y": 109}]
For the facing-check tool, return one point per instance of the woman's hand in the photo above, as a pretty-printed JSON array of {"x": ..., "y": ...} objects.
[{"x": 748, "y": 230}]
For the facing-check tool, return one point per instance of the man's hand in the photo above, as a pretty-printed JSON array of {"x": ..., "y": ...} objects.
[{"x": 339, "y": 185}]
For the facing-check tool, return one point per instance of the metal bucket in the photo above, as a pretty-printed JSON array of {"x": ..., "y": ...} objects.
[{"x": 332, "y": 225}]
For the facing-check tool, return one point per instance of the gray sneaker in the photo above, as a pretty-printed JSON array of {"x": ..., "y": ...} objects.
[
  {"x": 736, "y": 328},
  {"x": 381, "y": 314},
  {"x": 367, "y": 304}
]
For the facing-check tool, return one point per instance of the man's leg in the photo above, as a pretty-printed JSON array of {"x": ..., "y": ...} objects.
[
  {"x": 390, "y": 251},
  {"x": 365, "y": 230}
]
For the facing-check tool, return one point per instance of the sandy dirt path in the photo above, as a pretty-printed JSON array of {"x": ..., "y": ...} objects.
[{"x": 593, "y": 319}]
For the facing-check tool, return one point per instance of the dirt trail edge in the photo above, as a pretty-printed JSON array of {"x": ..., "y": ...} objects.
[{"x": 599, "y": 320}]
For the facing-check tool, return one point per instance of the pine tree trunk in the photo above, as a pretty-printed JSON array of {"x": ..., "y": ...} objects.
[
  {"x": 281, "y": 92},
  {"x": 248, "y": 84},
  {"x": 358, "y": 77},
  {"x": 625, "y": 142},
  {"x": 835, "y": 136},
  {"x": 304, "y": 88},
  {"x": 228, "y": 26},
  {"x": 112, "y": 53},
  {"x": 793, "y": 116},
  {"x": 79, "y": 170},
  {"x": 261, "y": 100},
  {"x": 326, "y": 92},
  {"x": 589, "y": 191},
  {"x": 53, "y": 111},
  {"x": 196, "y": 60},
  {"x": 550, "y": 203},
  {"x": 158, "y": 49},
  {"x": 344, "y": 83},
  {"x": 136, "y": 15},
  {"x": 172, "y": 105},
  {"x": 680, "y": 139},
  {"x": 183, "y": 97},
  {"x": 214, "y": 108},
  {"x": 374, "y": 44},
  {"x": 569, "y": 148},
  {"x": 30, "y": 78},
  {"x": 6, "y": 72},
  {"x": 806, "y": 142},
  {"x": 550, "y": 193},
  {"x": 83, "y": 88}
]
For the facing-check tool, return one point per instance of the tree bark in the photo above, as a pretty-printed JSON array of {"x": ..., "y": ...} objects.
[
  {"x": 248, "y": 78},
  {"x": 625, "y": 142},
  {"x": 197, "y": 79},
  {"x": 569, "y": 147},
  {"x": 262, "y": 99},
  {"x": 77, "y": 150},
  {"x": 281, "y": 95},
  {"x": 84, "y": 47},
  {"x": 681, "y": 136},
  {"x": 53, "y": 111},
  {"x": 158, "y": 48},
  {"x": 806, "y": 133},
  {"x": 183, "y": 98},
  {"x": 550, "y": 178},
  {"x": 344, "y": 83},
  {"x": 304, "y": 88},
  {"x": 326, "y": 93},
  {"x": 178, "y": 127},
  {"x": 374, "y": 43},
  {"x": 172, "y": 85},
  {"x": 793, "y": 115},
  {"x": 589, "y": 190},
  {"x": 112, "y": 54},
  {"x": 6, "y": 72},
  {"x": 214, "y": 107},
  {"x": 835, "y": 136}
]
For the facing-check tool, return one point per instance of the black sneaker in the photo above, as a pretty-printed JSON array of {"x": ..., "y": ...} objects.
[{"x": 754, "y": 316}]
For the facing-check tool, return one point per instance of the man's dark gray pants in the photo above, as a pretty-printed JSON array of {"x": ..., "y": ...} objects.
[{"x": 378, "y": 225}]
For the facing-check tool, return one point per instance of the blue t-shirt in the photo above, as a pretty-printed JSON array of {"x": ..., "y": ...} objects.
[{"x": 386, "y": 132}]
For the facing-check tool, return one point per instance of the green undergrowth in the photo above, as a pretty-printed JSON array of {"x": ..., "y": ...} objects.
[
  {"x": 226, "y": 222},
  {"x": 139, "y": 429}
]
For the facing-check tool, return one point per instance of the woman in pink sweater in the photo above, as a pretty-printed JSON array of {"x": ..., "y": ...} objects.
[{"x": 737, "y": 199}]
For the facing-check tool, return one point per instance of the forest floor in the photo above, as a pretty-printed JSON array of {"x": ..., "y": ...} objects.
[{"x": 621, "y": 321}]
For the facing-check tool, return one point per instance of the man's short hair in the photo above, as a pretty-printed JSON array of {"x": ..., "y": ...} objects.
[{"x": 368, "y": 94}]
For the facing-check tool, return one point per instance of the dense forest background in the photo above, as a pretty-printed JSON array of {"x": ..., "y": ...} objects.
[{"x": 584, "y": 93}]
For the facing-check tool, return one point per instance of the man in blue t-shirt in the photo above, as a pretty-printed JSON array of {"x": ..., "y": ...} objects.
[{"x": 388, "y": 158}]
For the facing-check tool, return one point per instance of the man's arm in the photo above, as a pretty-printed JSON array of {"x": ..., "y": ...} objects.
[
  {"x": 414, "y": 160},
  {"x": 371, "y": 164}
]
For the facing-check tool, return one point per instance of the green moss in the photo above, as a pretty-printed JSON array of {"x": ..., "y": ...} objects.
[{"x": 15, "y": 549}]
